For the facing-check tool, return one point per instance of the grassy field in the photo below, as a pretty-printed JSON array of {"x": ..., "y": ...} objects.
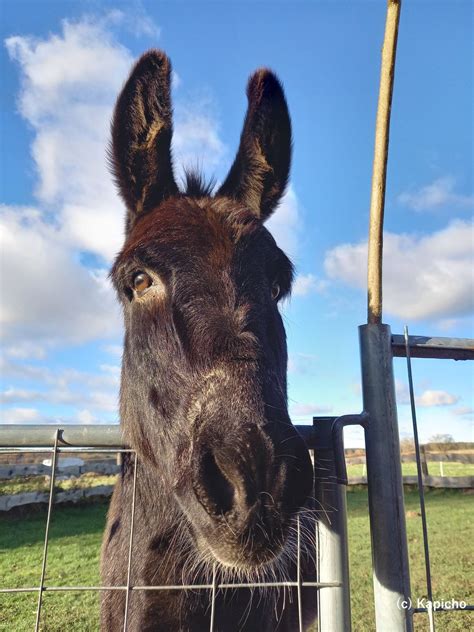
[
  {"x": 23, "y": 484},
  {"x": 75, "y": 542},
  {"x": 434, "y": 469}
]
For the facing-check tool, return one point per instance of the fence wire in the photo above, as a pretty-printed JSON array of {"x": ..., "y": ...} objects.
[
  {"x": 431, "y": 609},
  {"x": 55, "y": 450}
]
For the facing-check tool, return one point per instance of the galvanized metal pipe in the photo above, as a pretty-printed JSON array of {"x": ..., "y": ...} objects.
[
  {"x": 391, "y": 573},
  {"x": 105, "y": 435},
  {"x": 73, "y": 437},
  {"x": 334, "y": 606}
]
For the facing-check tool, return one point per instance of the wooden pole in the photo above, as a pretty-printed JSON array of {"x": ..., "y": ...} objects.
[
  {"x": 424, "y": 461},
  {"x": 379, "y": 172}
]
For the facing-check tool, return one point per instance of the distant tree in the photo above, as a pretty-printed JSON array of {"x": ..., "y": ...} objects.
[
  {"x": 442, "y": 442},
  {"x": 407, "y": 445},
  {"x": 442, "y": 438}
]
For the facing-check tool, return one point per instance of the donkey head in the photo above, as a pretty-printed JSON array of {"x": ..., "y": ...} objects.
[{"x": 203, "y": 395}]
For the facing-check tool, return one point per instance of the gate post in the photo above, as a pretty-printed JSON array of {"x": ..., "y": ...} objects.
[{"x": 391, "y": 573}]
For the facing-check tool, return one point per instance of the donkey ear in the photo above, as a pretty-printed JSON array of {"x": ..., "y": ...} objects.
[
  {"x": 260, "y": 171},
  {"x": 141, "y": 137}
]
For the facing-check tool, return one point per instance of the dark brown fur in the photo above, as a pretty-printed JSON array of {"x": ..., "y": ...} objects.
[{"x": 222, "y": 473}]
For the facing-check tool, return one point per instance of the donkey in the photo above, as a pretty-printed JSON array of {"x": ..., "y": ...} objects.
[{"x": 223, "y": 475}]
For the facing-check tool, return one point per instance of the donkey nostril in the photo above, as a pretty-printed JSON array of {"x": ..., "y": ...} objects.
[{"x": 219, "y": 490}]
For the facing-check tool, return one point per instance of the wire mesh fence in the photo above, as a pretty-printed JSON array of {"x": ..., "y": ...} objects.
[
  {"x": 462, "y": 349},
  {"x": 91, "y": 440}
]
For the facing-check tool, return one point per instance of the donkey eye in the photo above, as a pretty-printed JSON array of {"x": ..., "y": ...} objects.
[
  {"x": 141, "y": 281},
  {"x": 275, "y": 291}
]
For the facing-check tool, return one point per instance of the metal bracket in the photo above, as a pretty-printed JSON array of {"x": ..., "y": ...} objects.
[{"x": 328, "y": 435}]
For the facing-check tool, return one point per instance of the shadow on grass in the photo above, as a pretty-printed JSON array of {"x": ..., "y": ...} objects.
[{"x": 26, "y": 529}]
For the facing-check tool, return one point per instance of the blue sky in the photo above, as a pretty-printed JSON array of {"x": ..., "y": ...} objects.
[{"x": 62, "y": 65}]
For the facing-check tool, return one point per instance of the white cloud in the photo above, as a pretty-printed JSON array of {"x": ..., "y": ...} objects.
[
  {"x": 111, "y": 369},
  {"x": 47, "y": 294},
  {"x": 136, "y": 20},
  {"x": 285, "y": 223},
  {"x": 13, "y": 395},
  {"x": 196, "y": 137},
  {"x": 431, "y": 398},
  {"x": 436, "y": 194},
  {"x": 175, "y": 80},
  {"x": 402, "y": 393},
  {"x": 301, "y": 363},
  {"x": 463, "y": 410},
  {"x": 427, "y": 276},
  {"x": 307, "y": 284},
  {"x": 308, "y": 410},
  {"x": 98, "y": 392},
  {"x": 23, "y": 349},
  {"x": 67, "y": 97},
  {"x": 100, "y": 400},
  {"x": 19, "y": 415},
  {"x": 114, "y": 350},
  {"x": 86, "y": 417},
  {"x": 428, "y": 399}
]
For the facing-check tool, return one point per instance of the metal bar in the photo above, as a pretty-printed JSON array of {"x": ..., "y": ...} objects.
[
  {"x": 433, "y": 347},
  {"x": 337, "y": 429},
  {"x": 106, "y": 435},
  {"x": 459, "y": 608},
  {"x": 334, "y": 606},
  {"x": 307, "y": 434},
  {"x": 40, "y": 438},
  {"x": 421, "y": 490},
  {"x": 316, "y": 540},
  {"x": 379, "y": 171},
  {"x": 384, "y": 477},
  {"x": 285, "y": 584},
  {"x": 130, "y": 545},
  {"x": 298, "y": 578},
  {"x": 213, "y": 598},
  {"x": 85, "y": 448},
  {"x": 46, "y": 535}
]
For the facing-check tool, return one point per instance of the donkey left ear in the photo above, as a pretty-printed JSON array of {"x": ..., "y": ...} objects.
[
  {"x": 141, "y": 137},
  {"x": 259, "y": 175}
]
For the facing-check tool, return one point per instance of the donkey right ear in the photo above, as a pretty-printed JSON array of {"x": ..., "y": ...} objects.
[
  {"x": 259, "y": 175},
  {"x": 142, "y": 128}
]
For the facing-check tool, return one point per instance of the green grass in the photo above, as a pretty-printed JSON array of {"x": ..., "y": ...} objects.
[
  {"x": 450, "y": 516},
  {"x": 73, "y": 558},
  {"x": 76, "y": 534},
  {"x": 22, "y": 484},
  {"x": 409, "y": 469}
]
